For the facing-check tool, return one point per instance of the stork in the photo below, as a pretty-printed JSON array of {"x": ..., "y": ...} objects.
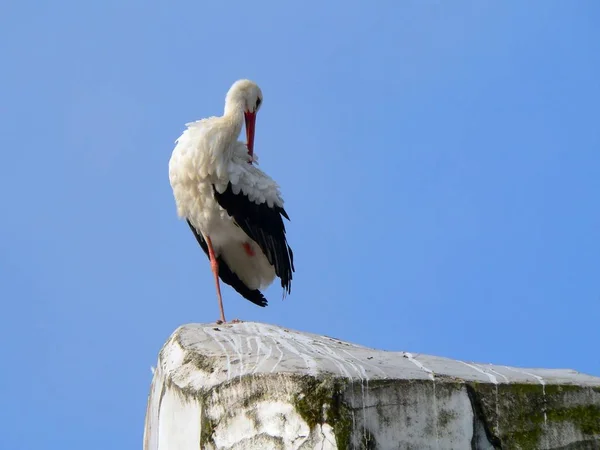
[{"x": 233, "y": 208}]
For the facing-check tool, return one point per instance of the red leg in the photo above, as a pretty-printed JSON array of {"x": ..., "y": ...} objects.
[{"x": 214, "y": 265}]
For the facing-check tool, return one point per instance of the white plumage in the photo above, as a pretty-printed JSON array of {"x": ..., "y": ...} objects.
[{"x": 229, "y": 203}]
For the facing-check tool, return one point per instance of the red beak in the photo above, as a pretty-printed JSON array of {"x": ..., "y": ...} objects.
[{"x": 250, "y": 118}]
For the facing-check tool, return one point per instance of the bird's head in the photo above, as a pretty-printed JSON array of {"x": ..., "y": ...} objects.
[{"x": 247, "y": 96}]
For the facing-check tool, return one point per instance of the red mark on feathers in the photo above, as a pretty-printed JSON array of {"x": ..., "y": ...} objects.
[{"x": 248, "y": 249}]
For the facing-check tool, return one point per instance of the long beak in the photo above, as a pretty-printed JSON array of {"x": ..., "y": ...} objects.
[{"x": 250, "y": 118}]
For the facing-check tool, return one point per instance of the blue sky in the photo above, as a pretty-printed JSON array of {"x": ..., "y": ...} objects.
[{"x": 440, "y": 162}]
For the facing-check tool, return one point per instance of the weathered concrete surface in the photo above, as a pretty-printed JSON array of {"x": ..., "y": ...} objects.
[{"x": 256, "y": 386}]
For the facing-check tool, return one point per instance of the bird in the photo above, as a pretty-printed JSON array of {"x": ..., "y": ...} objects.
[{"x": 234, "y": 210}]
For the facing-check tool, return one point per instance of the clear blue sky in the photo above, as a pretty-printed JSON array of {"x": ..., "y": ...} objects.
[{"x": 440, "y": 162}]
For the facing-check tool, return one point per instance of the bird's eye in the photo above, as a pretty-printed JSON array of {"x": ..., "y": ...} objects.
[{"x": 258, "y": 102}]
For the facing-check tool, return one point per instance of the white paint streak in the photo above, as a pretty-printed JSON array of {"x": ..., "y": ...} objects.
[
  {"x": 252, "y": 335},
  {"x": 280, "y": 354},
  {"x": 358, "y": 368},
  {"x": 209, "y": 331},
  {"x": 258, "y": 342},
  {"x": 236, "y": 346},
  {"x": 419, "y": 365},
  {"x": 311, "y": 364},
  {"x": 435, "y": 416},
  {"x": 498, "y": 431},
  {"x": 497, "y": 373},
  {"x": 491, "y": 377},
  {"x": 379, "y": 369},
  {"x": 328, "y": 353}
]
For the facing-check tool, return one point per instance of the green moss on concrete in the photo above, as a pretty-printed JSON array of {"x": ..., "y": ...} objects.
[
  {"x": 340, "y": 418},
  {"x": 321, "y": 401},
  {"x": 524, "y": 440},
  {"x": 445, "y": 416},
  {"x": 257, "y": 394},
  {"x": 207, "y": 429},
  {"x": 201, "y": 362},
  {"x": 585, "y": 418},
  {"x": 443, "y": 392},
  {"x": 521, "y": 408},
  {"x": 526, "y": 410},
  {"x": 513, "y": 412},
  {"x": 314, "y": 395},
  {"x": 252, "y": 414}
]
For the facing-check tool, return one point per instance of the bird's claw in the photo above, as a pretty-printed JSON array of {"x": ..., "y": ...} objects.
[{"x": 221, "y": 322}]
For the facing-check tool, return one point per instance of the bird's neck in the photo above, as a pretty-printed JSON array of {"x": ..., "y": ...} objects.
[{"x": 233, "y": 117}]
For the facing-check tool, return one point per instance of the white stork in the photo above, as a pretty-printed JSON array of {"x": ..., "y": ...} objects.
[{"x": 233, "y": 208}]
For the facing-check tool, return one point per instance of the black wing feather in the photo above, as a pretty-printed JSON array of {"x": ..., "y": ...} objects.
[
  {"x": 227, "y": 276},
  {"x": 264, "y": 225}
]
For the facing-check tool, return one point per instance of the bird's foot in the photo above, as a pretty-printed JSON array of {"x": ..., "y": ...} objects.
[{"x": 221, "y": 322}]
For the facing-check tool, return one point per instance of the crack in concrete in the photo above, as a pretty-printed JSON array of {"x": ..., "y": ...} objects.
[{"x": 479, "y": 417}]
